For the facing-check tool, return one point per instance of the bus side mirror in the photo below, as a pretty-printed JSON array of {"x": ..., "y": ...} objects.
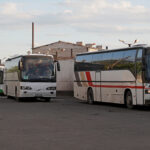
[
  {"x": 58, "y": 66},
  {"x": 20, "y": 66}
]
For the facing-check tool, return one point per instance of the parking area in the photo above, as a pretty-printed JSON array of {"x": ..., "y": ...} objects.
[{"x": 69, "y": 124}]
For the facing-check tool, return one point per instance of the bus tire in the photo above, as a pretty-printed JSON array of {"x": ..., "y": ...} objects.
[
  {"x": 90, "y": 96},
  {"x": 128, "y": 100},
  {"x": 16, "y": 96}
]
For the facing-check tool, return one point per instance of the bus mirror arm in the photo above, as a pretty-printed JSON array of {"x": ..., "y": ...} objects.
[{"x": 58, "y": 65}]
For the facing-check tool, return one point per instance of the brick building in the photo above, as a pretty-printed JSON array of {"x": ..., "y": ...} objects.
[{"x": 63, "y": 50}]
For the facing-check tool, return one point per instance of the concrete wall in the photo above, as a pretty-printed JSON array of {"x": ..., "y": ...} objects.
[{"x": 65, "y": 75}]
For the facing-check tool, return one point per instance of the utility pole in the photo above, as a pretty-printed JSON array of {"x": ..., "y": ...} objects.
[{"x": 32, "y": 36}]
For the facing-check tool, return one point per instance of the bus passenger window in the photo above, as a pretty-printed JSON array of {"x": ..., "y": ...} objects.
[{"x": 139, "y": 66}]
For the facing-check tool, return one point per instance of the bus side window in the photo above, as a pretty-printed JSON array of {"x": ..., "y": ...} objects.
[
  {"x": 117, "y": 59},
  {"x": 139, "y": 54},
  {"x": 98, "y": 62},
  {"x": 129, "y": 60}
]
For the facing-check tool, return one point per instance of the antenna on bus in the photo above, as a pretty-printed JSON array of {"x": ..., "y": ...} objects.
[{"x": 129, "y": 44}]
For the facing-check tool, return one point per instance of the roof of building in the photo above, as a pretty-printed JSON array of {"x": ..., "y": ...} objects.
[{"x": 59, "y": 42}]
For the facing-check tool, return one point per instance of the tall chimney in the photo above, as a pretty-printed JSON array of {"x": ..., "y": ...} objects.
[{"x": 32, "y": 35}]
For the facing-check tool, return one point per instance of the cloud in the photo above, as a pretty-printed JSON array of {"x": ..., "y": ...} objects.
[
  {"x": 12, "y": 16},
  {"x": 81, "y": 15},
  {"x": 67, "y": 11},
  {"x": 9, "y": 8},
  {"x": 106, "y": 16},
  {"x": 57, "y": 35},
  {"x": 108, "y": 29}
]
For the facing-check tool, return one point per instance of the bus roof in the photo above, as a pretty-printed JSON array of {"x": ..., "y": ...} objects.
[
  {"x": 14, "y": 57},
  {"x": 118, "y": 49}
]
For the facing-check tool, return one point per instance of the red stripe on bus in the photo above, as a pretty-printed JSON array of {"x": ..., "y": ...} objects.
[
  {"x": 88, "y": 75},
  {"x": 89, "y": 78}
]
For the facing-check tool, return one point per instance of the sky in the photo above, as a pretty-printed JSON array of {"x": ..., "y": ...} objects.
[{"x": 103, "y": 22}]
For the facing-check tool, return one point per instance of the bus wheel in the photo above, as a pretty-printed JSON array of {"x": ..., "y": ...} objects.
[
  {"x": 128, "y": 100},
  {"x": 90, "y": 97},
  {"x": 16, "y": 96}
]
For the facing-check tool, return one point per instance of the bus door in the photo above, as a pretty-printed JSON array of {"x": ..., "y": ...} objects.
[
  {"x": 139, "y": 82},
  {"x": 98, "y": 86}
]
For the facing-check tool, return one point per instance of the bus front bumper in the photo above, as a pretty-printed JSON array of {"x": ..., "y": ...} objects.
[{"x": 25, "y": 93}]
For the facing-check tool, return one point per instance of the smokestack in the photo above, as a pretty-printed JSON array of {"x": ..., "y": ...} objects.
[{"x": 32, "y": 35}]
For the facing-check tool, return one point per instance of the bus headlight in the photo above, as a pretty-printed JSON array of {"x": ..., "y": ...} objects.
[
  {"x": 147, "y": 91},
  {"x": 26, "y": 88},
  {"x": 51, "y": 88}
]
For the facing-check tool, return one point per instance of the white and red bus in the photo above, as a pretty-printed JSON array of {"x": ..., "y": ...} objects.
[{"x": 115, "y": 76}]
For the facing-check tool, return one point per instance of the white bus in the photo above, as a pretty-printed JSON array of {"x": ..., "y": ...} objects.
[
  {"x": 1, "y": 80},
  {"x": 115, "y": 76},
  {"x": 30, "y": 76}
]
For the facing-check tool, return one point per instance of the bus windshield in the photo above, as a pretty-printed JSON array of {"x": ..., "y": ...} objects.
[{"x": 38, "y": 68}]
